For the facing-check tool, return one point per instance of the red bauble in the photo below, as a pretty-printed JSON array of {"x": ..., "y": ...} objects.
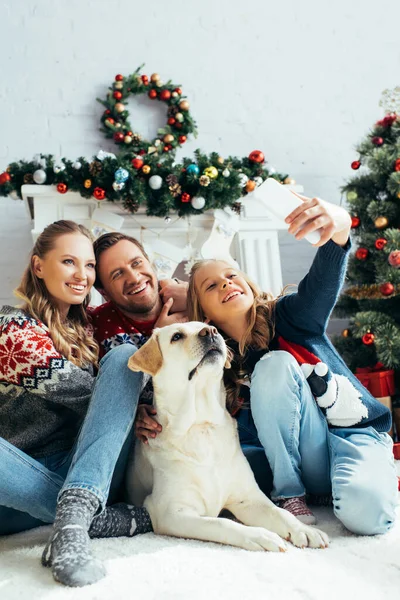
[
  {"x": 137, "y": 162},
  {"x": 178, "y": 125},
  {"x": 107, "y": 112},
  {"x": 355, "y": 222},
  {"x": 110, "y": 120},
  {"x": 62, "y": 188},
  {"x": 362, "y": 253},
  {"x": 380, "y": 243},
  {"x": 152, "y": 94},
  {"x": 387, "y": 289},
  {"x": 185, "y": 197},
  {"x": 118, "y": 137},
  {"x": 378, "y": 141},
  {"x": 368, "y": 339},
  {"x": 119, "y": 77},
  {"x": 355, "y": 165},
  {"x": 182, "y": 139},
  {"x": 178, "y": 91},
  {"x": 5, "y": 178},
  {"x": 171, "y": 121},
  {"x": 394, "y": 259},
  {"x": 167, "y": 147},
  {"x": 256, "y": 156},
  {"x": 165, "y": 95},
  {"x": 142, "y": 152},
  {"x": 117, "y": 95},
  {"x": 99, "y": 193},
  {"x": 397, "y": 165},
  {"x": 145, "y": 79},
  {"x": 387, "y": 121}
]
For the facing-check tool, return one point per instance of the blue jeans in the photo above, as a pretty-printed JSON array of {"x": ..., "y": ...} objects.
[
  {"x": 355, "y": 464},
  {"x": 29, "y": 487}
]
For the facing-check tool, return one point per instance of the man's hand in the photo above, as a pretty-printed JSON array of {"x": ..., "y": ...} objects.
[
  {"x": 166, "y": 318},
  {"x": 145, "y": 425},
  {"x": 175, "y": 289},
  {"x": 334, "y": 221}
]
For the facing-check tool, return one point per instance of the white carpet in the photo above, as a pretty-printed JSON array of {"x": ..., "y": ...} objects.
[{"x": 164, "y": 568}]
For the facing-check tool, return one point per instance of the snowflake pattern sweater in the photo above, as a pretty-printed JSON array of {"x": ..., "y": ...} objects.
[{"x": 43, "y": 396}]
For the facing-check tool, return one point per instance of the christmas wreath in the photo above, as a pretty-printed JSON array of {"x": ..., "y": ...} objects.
[{"x": 145, "y": 172}]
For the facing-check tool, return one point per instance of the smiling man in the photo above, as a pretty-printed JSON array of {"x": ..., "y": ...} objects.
[{"x": 137, "y": 302}]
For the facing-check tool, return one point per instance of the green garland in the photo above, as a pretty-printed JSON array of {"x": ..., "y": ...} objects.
[{"x": 144, "y": 173}]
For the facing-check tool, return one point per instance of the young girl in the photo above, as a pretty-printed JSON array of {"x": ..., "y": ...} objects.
[
  {"x": 345, "y": 451},
  {"x": 47, "y": 356}
]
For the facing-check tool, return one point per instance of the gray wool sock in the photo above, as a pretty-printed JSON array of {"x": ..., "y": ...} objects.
[
  {"x": 121, "y": 520},
  {"x": 67, "y": 551}
]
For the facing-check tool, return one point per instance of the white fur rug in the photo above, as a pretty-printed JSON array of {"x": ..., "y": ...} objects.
[{"x": 156, "y": 568}]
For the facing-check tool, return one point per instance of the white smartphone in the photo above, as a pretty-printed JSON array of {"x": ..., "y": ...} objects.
[{"x": 280, "y": 201}]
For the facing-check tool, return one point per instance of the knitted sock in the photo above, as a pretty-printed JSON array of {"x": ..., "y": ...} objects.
[
  {"x": 67, "y": 551},
  {"x": 121, "y": 520}
]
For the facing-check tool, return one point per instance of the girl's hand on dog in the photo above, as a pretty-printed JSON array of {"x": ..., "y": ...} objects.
[
  {"x": 334, "y": 221},
  {"x": 145, "y": 425}
]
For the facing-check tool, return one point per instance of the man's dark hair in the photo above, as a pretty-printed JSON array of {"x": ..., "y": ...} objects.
[{"x": 106, "y": 241}]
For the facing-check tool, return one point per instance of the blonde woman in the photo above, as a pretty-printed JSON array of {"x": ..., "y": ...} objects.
[{"x": 47, "y": 355}]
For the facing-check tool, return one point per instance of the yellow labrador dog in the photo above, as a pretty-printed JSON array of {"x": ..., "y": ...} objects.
[{"x": 195, "y": 467}]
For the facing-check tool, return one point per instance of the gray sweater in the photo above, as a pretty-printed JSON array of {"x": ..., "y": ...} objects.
[{"x": 43, "y": 396}]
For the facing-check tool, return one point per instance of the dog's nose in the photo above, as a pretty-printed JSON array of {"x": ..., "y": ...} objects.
[{"x": 211, "y": 331}]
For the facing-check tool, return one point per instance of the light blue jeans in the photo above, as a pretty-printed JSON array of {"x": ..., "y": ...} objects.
[
  {"x": 355, "y": 464},
  {"x": 29, "y": 487}
]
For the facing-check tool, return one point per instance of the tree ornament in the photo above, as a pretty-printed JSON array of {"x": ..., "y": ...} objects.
[
  {"x": 250, "y": 185},
  {"x": 258, "y": 181},
  {"x": 95, "y": 167},
  {"x": 351, "y": 195},
  {"x": 378, "y": 141},
  {"x": 168, "y": 138},
  {"x": 118, "y": 137},
  {"x": 146, "y": 169},
  {"x": 58, "y": 168},
  {"x": 117, "y": 95},
  {"x": 387, "y": 289},
  {"x": 355, "y": 222},
  {"x": 184, "y": 105},
  {"x": 204, "y": 180},
  {"x": 118, "y": 85},
  {"x": 380, "y": 243},
  {"x": 368, "y": 339},
  {"x": 118, "y": 186},
  {"x": 137, "y": 162},
  {"x": 155, "y": 182},
  {"x": 198, "y": 202},
  {"x": 39, "y": 176},
  {"x": 128, "y": 139},
  {"x": 179, "y": 117},
  {"x": 226, "y": 173},
  {"x": 220, "y": 160},
  {"x": 256, "y": 156},
  {"x": 154, "y": 77},
  {"x": 182, "y": 139},
  {"x": 362, "y": 253},
  {"x": 99, "y": 193},
  {"x": 28, "y": 178},
  {"x": 397, "y": 165},
  {"x": 62, "y": 188},
  {"x": 185, "y": 197},
  {"x": 243, "y": 179},
  {"x": 77, "y": 165},
  {"x": 346, "y": 333},
  {"x": 87, "y": 183},
  {"x": 211, "y": 172},
  {"x": 381, "y": 222},
  {"x": 192, "y": 169},
  {"x": 5, "y": 178},
  {"x": 356, "y": 164},
  {"x": 171, "y": 121},
  {"x": 152, "y": 94},
  {"x": 119, "y": 107},
  {"x": 394, "y": 259},
  {"x": 178, "y": 91},
  {"x": 167, "y": 147},
  {"x": 119, "y": 77},
  {"x": 121, "y": 175},
  {"x": 165, "y": 95},
  {"x": 289, "y": 181},
  {"x": 145, "y": 80}
]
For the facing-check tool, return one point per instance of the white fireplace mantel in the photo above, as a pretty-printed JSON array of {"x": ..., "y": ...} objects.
[{"x": 255, "y": 246}]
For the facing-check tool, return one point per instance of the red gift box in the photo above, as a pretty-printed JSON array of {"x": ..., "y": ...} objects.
[
  {"x": 378, "y": 381},
  {"x": 396, "y": 451}
]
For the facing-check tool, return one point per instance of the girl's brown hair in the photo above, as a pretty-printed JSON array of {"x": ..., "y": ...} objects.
[
  {"x": 258, "y": 335},
  {"x": 71, "y": 338}
]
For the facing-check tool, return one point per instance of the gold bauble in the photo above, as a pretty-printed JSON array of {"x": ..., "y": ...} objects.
[
  {"x": 155, "y": 77},
  {"x": 87, "y": 183},
  {"x": 398, "y": 195},
  {"x": 146, "y": 169},
  {"x": 119, "y": 107},
  {"x": 184, "y": 105},
  {"x": 128, "y": 139},
  {"x": 211, "y": 172},
  {"x": 168, "y": 138},
  {"x": 220, "y": 160},
  {"x": 381, "y": 222},
  {"x": 345, "y": 333},
  {"x": 289, "y": 181}
]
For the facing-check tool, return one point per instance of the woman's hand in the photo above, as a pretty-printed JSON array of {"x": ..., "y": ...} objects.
[
  {"x": 334, "y": 221},
  {"x": 145, "y": 425},
  {"x": 176, "y": 289}
]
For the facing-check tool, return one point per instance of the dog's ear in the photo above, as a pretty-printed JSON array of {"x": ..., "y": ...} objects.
[
  {"x": 148, "y": 359},
  {"x": 229, "y": 358}
]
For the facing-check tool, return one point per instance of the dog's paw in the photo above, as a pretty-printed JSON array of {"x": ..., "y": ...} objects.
[
  {"x": 305, "y": 536},
  {"x": 258, "y": 538}
]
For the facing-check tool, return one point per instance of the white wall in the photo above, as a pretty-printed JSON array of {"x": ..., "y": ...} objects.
[{"x": 299, "y": 80}]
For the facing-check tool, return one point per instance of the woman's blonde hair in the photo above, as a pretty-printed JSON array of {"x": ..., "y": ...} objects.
[
  {"x": 258, "y": 334},
  {"x": 71, "y": 338}
]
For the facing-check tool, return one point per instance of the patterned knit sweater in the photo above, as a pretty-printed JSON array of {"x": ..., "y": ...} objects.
[{"x": 43, "y": 396}]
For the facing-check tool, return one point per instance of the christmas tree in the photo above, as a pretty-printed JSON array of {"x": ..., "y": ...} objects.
[{"x": 371, "y": 300}]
